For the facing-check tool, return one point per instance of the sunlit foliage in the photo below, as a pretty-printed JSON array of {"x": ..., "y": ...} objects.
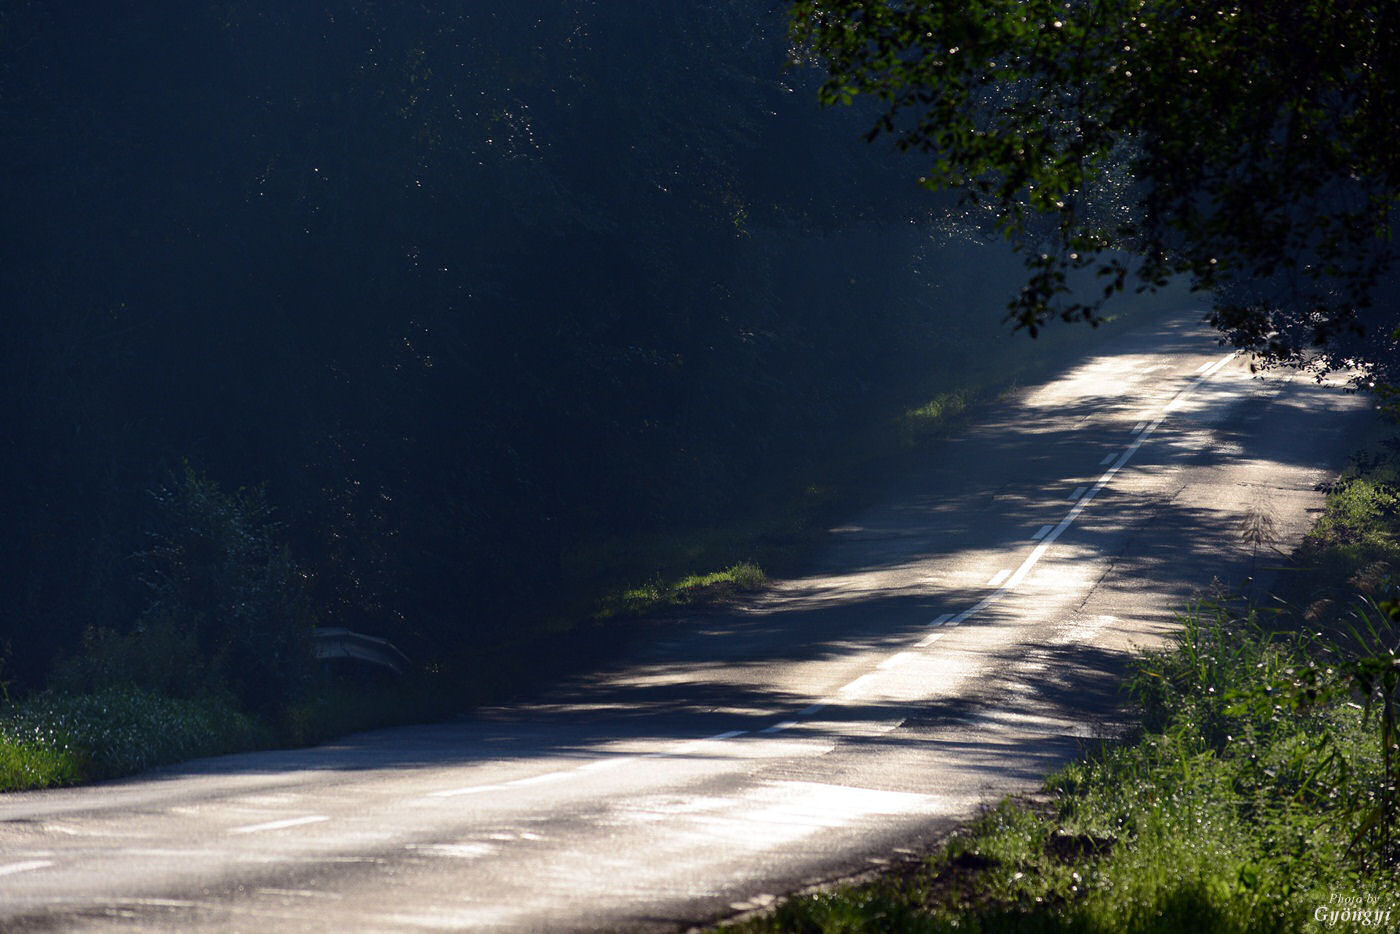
[{"x": 1247, "y": 145}]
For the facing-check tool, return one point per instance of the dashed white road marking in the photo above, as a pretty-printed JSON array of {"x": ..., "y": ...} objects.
[
  {"x": 592, "y": 766},
  {"x": 454, "y": 850},
  {"x": 482, "y": 789},
  {"x": 779, "y": 727},
  {"x": 27, "y": 865},
  {"x": 538, "y": 779},
  {"x": 280, "y": 824},
  {"x": 297, "y": 893},
  {"x": 1004, "y": 580},
  {"x": 857, "y": 684},
  {"x": 979, "y": 606},
  {"x": 1206, "y": 370}
]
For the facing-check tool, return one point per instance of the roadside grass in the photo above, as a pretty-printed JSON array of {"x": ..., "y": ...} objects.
[
  {"x": 1237, "y": 809},
  {"x": 1260, "y": 793},
  {"x": 54, "y": 739},
  {"x": 692, "y": 588},
  {"x": 788, "y": 516}
]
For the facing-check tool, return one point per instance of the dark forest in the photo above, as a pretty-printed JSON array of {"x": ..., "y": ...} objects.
[{"x": 395, "y": 318}]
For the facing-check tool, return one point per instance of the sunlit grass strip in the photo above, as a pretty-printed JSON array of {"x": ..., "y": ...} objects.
[
  {"x": 1229, "y": 814},
  {"x": 59, "y": 739},
  {"x": 935, "y": 415},
  {"x": 691, "y": 588},
  {"x": 30, "y": 765}
]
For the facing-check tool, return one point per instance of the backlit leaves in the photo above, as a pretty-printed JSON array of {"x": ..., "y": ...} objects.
[{"x": 1243, "y": 145}]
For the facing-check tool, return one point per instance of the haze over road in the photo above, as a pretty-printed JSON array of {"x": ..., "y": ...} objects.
[{"x": 954, "y": 644}]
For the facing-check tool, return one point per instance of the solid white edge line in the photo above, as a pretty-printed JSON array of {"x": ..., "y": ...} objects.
[
  {"x": 779, "y": 727},
  {"x": 1078, "y": 492},
  {"x": 929, "y": 640},
  {"x": 943, "y": 618},
  {"x": 808, "y": 711},
  {"x": 998, "y": 577},
  {"x": 1044, "y": 531},
  {"x": 1107, "y": 459}
]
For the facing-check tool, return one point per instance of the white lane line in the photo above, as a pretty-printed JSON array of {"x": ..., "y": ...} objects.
[
  {"x": 998, "y": 577},
  {"x": 1046, "y": 536},
  {"x": 28, "y": 865},
  {"x": 728, "y": 734},
  {"x": 473, "y": 789},
  {"x": 894, "y": 661},
  {"x": 1107, "y": 459},
  {"x": 808, "y": 711},
  {"x": 1204, "y": 365},
  {"x": 1078, "y": 492},
  {"x": 594, "y": 766},
  {"x": 1039, "y": 551},
  {"x": 1139, "y": 427},
  {"x": 857, "y": 683},
  {"x": 538, "y": 779},
  {"x": 678, "y": 750},
  {"x": 980, "y": 605},
  {"x": 280, "y": 824}
]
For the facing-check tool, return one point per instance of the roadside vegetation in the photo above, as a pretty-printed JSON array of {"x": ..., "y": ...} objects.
[
  {"x": 479, "y": 373},
  {"x": 219, "y": 658},
  {"x": 1261, "y": 791}
]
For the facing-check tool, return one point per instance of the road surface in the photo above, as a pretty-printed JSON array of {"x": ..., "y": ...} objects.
[{"x": 953, "y": 645}]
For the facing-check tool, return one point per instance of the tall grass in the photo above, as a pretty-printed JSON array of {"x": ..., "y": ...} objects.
[
  {"x": 61, "y": 739},
  {"x": 1243, "y": 806}
]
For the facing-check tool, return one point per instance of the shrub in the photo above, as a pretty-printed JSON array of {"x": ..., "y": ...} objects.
[
  {"x": 227, "y": 610},
  {"x": 217, "y": 568}
]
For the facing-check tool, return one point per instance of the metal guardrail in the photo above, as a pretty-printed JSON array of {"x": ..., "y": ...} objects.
[{"x": 334, "y": 642}]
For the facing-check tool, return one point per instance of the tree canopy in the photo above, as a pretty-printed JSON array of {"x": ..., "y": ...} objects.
[{"x": 1248, "y": 145}]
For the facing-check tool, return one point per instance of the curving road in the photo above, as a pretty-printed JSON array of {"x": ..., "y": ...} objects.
[{"x": 953, "y": 645}]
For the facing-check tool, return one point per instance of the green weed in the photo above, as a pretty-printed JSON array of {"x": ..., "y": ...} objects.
[
  {"x": 660, "y": 593},
  {"x": 1244, "y": 806},
  {"x": 61, "y": 739}
]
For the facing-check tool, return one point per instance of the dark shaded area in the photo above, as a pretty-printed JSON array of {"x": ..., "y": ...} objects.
[{"x": 469, "y": 290}]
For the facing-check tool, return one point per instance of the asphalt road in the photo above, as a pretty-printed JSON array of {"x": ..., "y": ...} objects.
[{"x": 954, "y": 644}]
